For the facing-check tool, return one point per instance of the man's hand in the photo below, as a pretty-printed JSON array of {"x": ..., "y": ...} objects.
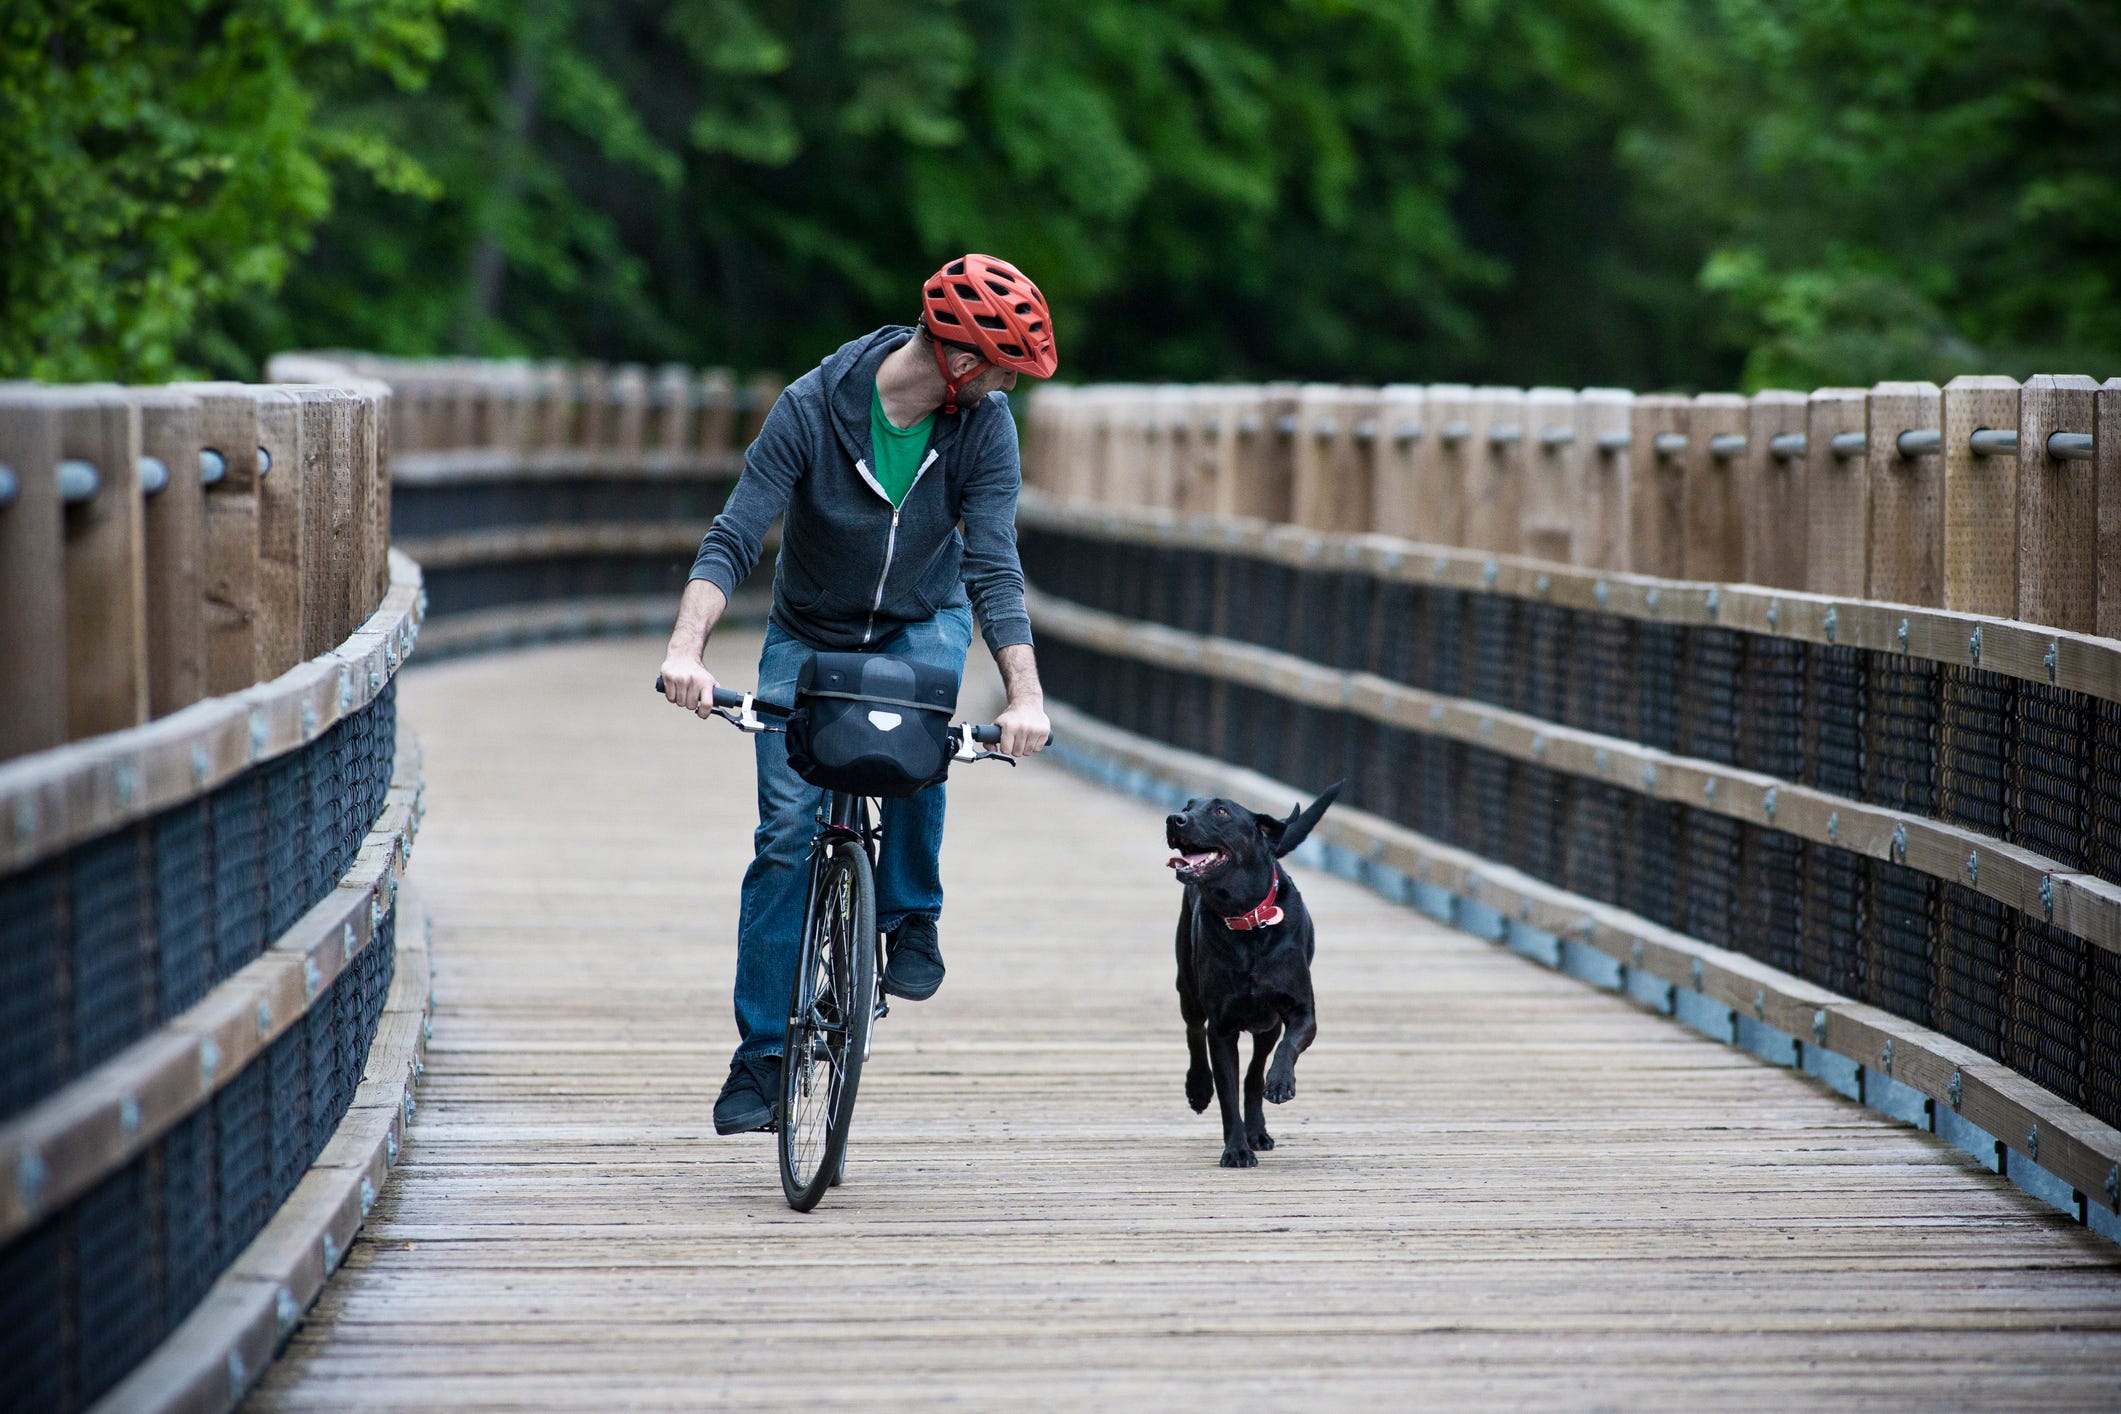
[
  {"x": 687, "y": 682},
  {"x": 1025, "y": 729}
]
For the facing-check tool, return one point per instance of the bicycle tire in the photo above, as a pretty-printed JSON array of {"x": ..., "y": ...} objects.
[{"x": 830, "y": 1009}]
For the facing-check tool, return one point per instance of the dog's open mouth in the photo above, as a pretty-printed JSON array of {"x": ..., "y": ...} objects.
[{"x": 1193, "y": 867}]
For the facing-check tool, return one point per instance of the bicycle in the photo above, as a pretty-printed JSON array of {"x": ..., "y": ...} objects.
[{"x": 838, "y": 994}]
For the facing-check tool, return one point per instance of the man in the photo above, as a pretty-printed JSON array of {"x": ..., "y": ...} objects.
[{"x": 878, "y": 456}]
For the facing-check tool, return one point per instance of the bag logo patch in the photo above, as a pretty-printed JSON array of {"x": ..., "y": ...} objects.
[{"x": 884, "y": 721}]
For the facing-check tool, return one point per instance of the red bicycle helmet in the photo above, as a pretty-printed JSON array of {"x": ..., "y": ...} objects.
[{"x": 992, "y": 308}]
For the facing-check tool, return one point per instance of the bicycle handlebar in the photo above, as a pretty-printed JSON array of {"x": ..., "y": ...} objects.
[{"x": 986, "y": 734}]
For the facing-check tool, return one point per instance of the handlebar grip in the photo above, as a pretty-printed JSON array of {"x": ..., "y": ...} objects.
[
  {"x": 723, "y": 697},
  {"x": 987, "y": 735}
]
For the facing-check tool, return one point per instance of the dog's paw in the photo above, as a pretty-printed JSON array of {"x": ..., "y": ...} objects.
[
  {"x": 1200, "y": 1088},
  {"x": 1260, "y": 1140},
  {"x": 1239, "y": 1159},
  {"x": 1281, "y": 1087}
]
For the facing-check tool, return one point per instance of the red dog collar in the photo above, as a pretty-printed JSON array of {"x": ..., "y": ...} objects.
[{"x": 1264, "y": 916}]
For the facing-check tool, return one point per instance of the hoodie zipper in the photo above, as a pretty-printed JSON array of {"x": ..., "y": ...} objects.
[{"x": 890, "y": 540}]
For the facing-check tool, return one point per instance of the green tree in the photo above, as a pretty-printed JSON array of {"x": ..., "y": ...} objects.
[{"x": 164, "y": 159}]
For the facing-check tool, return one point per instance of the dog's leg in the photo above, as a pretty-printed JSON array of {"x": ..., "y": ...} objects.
[
  {"x": 1200, "y": 1081},
  {"x": 1281, "y": 1076},
  {"x": 1222, "y": 1052},
  {"x": 1255, "y": 1115}
]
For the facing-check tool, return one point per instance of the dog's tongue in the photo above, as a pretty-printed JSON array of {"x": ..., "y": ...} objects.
[{"x": 1192, "y": 861}]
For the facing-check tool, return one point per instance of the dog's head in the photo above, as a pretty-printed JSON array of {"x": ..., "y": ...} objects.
[{"x": 1213, "y": 840}]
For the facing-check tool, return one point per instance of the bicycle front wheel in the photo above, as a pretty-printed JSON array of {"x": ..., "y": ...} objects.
[{"x": 829, "y": 1011}]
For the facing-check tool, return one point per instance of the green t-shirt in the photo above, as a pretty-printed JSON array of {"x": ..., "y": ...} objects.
[{"x": 898, "y": 451}]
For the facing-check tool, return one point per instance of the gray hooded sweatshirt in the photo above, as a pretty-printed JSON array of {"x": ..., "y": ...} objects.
[{"x": 851, "y": 568}]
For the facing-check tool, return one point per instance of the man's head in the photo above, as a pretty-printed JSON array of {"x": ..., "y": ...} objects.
[{"x": 985, "y": 322}]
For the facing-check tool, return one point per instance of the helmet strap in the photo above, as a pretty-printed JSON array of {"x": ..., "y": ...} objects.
[{"x": 942, "y": 366}]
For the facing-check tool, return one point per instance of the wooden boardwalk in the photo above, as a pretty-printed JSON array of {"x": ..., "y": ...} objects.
[{"x": 1495, "y": 1185}]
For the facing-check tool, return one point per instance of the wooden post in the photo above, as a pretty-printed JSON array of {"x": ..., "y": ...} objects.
[
  {"x": 1241, "y": 419},
  {"x": 1191, "y": 448},
  {"x": 106, "y": 566},
  {"x": 761, "y": 391},
  {"x": 362, "y": 542},
  {"x": 1657, "y": 486},
  {"x": 1715, "y": 526},
  {"x": 176, "y": 551},
  {"x": 1494, "y": 462},
  {"x": 32, "y": 575},
  {"x": 595, "y": 427},
  {"x": 1980, "y": 498},
  {"x": 2106, "y": 432},
  {"x": 1158, "y": 486},
  {"x": 717, "y": 398},
  {"x": 1907, "y": 497},
  {"x": 380, "y": 497},
  {"x": 1837, "y": 495},
  {"x": 1396, "y": 471},
  {"x": 1771, "y": 496},
  {"x": 1448, "y": 426},
  {"x": 1604, "y": 536},
  {"x": 672, "y": 399},
  {"x": 1274, "y": 495},
  {"x": 228, "y": 426},
  {"x": 1553, "y": 476},
  {"x": 281, "y": 550},
  {"x": 1328, "y": 487},
  {"x": 327, "y": 515},
  {"x": 2058, "y": 508},
  {"x": 629, "y": 396}
]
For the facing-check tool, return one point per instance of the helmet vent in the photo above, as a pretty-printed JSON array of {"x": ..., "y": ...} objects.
[
  {"x": 965, "y": 291},
  {"x": 1010, "y": 349},
  {"x": 945, "y": 316},
  {"x": 955, "y": 267},
  {"x": 1001, "y": 289},
  {"x": 989, "y": 321}
]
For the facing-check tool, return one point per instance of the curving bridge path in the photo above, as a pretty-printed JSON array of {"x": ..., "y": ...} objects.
[{"x": 1495, "y": 1183}]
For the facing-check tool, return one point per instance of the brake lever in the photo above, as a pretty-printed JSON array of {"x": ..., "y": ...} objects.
[
  {"x": 994, "y": 756},
  {"x": 744, "y": 719}
]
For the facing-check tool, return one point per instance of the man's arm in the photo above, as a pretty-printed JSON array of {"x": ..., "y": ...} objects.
[
  {"x": 1025, "y": 729},
  {"x": 686, "y": 680}
]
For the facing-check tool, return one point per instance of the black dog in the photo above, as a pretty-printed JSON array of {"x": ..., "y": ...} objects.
[{"x": 1244, "y": 960}]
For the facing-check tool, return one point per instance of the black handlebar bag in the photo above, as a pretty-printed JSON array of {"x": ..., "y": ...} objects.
[{"x": 871, "y": 724}]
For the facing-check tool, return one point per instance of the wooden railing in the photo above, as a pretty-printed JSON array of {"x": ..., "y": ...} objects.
[
  {"x": 1983, "y": 496},
  {"x": 209, "y": 1012},
  {"x": 554, "y": 499},
  {"x": 1878, "y": 839}
]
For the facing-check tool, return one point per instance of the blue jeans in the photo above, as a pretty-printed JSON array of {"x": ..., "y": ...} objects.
[{"x": 908, "y": 880}]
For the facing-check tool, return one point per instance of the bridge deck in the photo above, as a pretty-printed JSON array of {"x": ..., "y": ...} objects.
[{"x": 1494, "y": 1184}]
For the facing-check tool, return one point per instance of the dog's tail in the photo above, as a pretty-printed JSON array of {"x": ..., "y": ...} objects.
[{"x": 1288, "y": 834}]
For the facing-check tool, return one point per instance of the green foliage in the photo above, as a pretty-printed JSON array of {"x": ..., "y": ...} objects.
[
  {"x": 1641, "y": 192},
  {"x": 165, "y": 157}
]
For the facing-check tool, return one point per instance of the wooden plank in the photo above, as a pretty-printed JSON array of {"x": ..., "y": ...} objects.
[
  {"x": 1398, "y": 465},
  {"x": 326, "y": 453},
  {"x": 1980, "y": 498},
  {"x": 170, "y": 432},
  {"x": 673, "y": 400},
  {"x": 1602, "y": 541},
  {"x": 1448, "y": 428},
  {"x": 629, "y": 425},
  {"x": 1494, "y": 467},
  {"x": 1771, "y": 492},
  {"x": 1713, "y": 509},
  {"x": 1657, "y": 490},
  {"x": 379, "y": 495},
  {"x": 761, "y": 391},
  {"x": 1837, "y": 494},
  {"x": 1331, "y": 487},
  {"x": 1553, "y": 476},
  {"x": 282, "y": 550},
  {"x": 717, "y": 395},
  {"x": 1192, "y": 448},
  {"x": 2058, "y": 509},
  {"x": 2107, "y": 473},
  {"x": 1907, "y": 497},
  {"x": 228, "y": 426},
  {"x": 1267, "y": 482},
  {"x": 106, "y": 567},
  {"x": 33, "y": 662}
]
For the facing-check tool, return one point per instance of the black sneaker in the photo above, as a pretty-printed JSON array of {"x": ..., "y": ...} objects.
[
  {"x": 749, "y": 1096},
  {"x": 914, "y": 966}
]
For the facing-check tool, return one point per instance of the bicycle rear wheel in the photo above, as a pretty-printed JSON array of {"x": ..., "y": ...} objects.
[{"x": 829, "y": 1012}]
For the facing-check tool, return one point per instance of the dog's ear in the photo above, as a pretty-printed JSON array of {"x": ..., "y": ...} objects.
[{"x": 1286, "y": 835}]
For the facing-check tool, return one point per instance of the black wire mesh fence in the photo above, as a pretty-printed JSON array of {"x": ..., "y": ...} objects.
[{"x": 2025, "y": 763}]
